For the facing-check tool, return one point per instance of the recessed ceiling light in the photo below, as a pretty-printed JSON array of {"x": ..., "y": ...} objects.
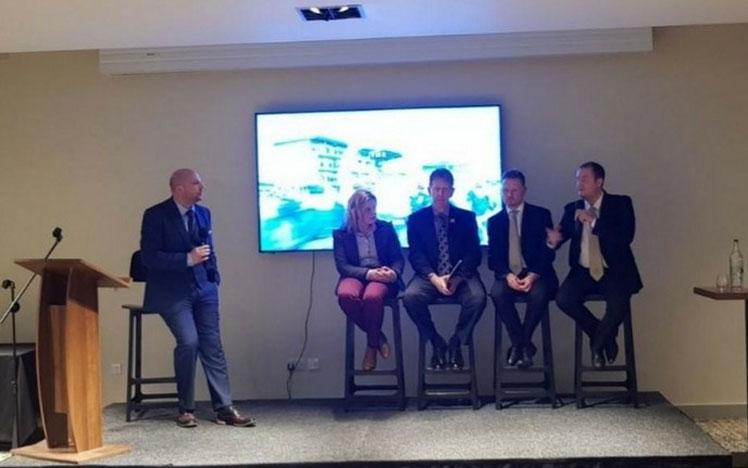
[{"x": 330, "y": 13}]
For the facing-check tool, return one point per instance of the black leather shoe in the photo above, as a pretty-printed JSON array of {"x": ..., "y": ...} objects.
[
  {"x": 526, "y": 360},
  {"x": 230, "y": 416},
  {"x": 186, "y": 419},
  {"x": 455, "y": 357},
  {"x": 611, "y": 351},
  {"x": 598, "y": 361},
  {"x": 437, "y": 358},
  {"x": 513, "y": 355}
]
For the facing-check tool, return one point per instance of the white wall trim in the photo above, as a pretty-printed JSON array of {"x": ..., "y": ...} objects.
[{"x": 373, "y": 51}]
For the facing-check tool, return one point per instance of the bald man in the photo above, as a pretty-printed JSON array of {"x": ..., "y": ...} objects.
[{"x": 176, "y": 246}]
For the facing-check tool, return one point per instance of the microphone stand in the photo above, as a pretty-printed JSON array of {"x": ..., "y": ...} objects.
[
  {"x": 16, "y": 434},
  {"x": 14, "y": 307}
]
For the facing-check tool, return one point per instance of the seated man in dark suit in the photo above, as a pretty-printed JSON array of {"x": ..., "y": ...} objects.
[
  {"x": 440, "y": 236},
  {"x": 522, "y": 263},
  {"x": 601, "y": 227},
  {"x": 176, "y": 245}
]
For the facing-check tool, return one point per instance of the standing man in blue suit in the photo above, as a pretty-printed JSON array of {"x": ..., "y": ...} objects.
[
  {"x": 522, "y": 264},
  {"x": 441, "y": 236},
  {"x": 176, "y": 245}
]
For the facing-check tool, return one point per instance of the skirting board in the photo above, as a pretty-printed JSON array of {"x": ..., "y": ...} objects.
[
  {"x": 40, "y": 451},
  {"x": 713, "y": 411}
]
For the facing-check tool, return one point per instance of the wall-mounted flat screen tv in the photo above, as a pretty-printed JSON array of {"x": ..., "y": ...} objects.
[{"x": 309, "y": 163}]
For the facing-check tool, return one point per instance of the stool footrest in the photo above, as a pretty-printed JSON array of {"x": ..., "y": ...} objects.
[
  {"x": 135, "y": 406},
  {"x": 438, "y": 394},
  {"x": 607, "y": 383},
  {"x": 153, "y": 396},
  {"x": 464, "y": 371},
  {"x": 540, "y": 384},
  {"x": 152, "y": 380},
  {"x": 604, "y": 369},
  {"x": 529, "y": 370},
  {"x": 447, "y": 386},
  {"x": 376, "y": 372},
  {"x": 523, "y": 395},
  {"x": 360, "y": 388}
]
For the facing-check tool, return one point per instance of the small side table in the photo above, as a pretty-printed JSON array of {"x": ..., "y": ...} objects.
[{"x": 714, "y": 293}]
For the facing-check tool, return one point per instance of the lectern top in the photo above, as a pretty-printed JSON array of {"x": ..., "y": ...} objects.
[{"x": 63, "y": 265}]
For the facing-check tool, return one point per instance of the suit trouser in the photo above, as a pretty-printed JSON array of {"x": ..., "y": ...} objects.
[
  {"x": 471, "y": 294},
  {"x": 363, "y": 302},
  {"x": 570, "y": 299},
  {"x": 194, "y": 323},
  {"x": 538, "y": 297}
]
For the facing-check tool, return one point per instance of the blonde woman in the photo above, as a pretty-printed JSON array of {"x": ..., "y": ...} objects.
[{"x": 370, "y": 263}]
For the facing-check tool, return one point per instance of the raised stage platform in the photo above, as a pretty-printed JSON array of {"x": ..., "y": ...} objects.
[{"x": 320, "y": 433}]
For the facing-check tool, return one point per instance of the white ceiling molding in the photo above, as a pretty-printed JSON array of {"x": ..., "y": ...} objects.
[{"x": 372, "y": 51}]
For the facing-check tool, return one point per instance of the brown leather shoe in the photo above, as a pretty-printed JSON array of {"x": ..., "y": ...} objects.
[
  {"x": 370, "y": 359},
  {"x": 384, "y": 350},
  {"x": 186, "y": 420},
  {"x": 230, "y": 416}
]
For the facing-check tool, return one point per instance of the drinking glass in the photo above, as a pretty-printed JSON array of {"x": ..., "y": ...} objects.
[{"x": 722, "y": 282}]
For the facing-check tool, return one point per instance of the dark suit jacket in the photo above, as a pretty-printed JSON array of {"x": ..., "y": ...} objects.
[
  {"x": 345, "y": 249},
  {"x": 538, "y": 256},
  {"x": 615, "y": 227},
  {"x": 164, "y": 245},
  {"x": 462, "y": 235}
]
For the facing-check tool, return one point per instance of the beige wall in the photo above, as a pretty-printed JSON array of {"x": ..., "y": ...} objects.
[{"x": 89, "y": 152}]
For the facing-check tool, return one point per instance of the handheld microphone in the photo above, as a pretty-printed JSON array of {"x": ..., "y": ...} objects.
[
  {"x": 204, "y": 235},
  {"x": 8, "y": 283},
  {"x": 57, "y": 233}
]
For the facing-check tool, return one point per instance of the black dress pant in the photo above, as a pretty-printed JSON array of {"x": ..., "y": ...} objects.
[
  {"x": 570, "y": 299},
  {"x": 470, "y": 294},
  {"x": 537, "y": 298}
]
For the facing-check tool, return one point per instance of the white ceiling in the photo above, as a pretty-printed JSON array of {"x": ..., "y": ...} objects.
[{"x": 42, "y": 25}]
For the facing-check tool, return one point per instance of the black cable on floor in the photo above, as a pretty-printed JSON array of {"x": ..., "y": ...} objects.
[{"x": 295, "y": 365}]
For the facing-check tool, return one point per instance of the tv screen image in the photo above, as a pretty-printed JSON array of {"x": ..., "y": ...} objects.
[{"x": 309, "y": 164}]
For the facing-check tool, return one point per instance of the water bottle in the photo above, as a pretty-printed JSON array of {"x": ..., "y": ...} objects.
[{"x": 736, "y": 267}]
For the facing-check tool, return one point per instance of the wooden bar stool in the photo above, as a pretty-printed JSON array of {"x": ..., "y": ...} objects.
[
  {"x": 630, "y": 391},
  {"x": 438, "y": 391},
  {"x": 136, "y": 398},
  {"x": 356, "y": 393},
  {"x": 515, "y": 390}
]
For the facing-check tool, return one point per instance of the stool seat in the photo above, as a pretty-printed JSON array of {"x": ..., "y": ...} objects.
[
  {"x": 543, "y": 389},
  {"x": 394, "y": 390},
  {"x": 600, "y": 389},
  {"x": 433, "y": 391}
]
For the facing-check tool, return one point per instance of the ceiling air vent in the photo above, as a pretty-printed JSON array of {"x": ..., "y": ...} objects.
[{"x": 331, "y": 13}]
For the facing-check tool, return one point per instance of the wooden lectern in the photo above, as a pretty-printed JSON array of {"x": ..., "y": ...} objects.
[{"x": 68, "y": 361}]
